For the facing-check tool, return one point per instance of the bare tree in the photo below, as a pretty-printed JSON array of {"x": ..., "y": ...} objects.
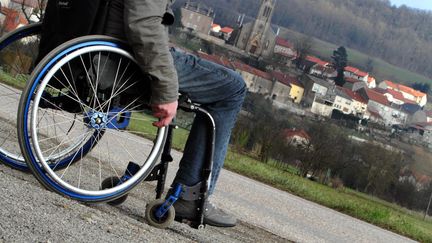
[{"x": 38, "y": 9}]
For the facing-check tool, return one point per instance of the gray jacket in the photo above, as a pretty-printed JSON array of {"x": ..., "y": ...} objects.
[{"x": 146, "y": 30}]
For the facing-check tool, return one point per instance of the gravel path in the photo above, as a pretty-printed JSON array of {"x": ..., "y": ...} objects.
[{"x": 29, "y": 213}]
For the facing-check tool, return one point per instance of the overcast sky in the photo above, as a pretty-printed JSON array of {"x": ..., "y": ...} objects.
[{"x": 421, "y": 4}]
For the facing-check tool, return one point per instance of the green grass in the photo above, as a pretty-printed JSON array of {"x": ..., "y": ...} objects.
[
  {"x": 146, "y": 129},
  {"x": 18, "y": 82}
]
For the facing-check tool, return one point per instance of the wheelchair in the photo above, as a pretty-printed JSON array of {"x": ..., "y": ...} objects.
[{"x": 85, "y": 131}]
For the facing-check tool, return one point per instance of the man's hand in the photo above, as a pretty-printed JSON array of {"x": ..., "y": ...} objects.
[{"x": 165, "y": 113}]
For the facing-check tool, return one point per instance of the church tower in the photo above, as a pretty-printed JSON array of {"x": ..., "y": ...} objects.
[{"x": 258, "y": 37}]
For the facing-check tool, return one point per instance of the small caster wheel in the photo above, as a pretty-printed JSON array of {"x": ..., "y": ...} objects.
[
  {"x": 111, "y": 182},
  {"x": 165, "y": 221}
]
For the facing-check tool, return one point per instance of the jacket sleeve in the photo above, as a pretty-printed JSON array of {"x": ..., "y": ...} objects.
[{"x": 149, "y": 40}]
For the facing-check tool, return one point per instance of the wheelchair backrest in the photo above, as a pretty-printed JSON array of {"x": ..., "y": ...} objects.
[{"x": 68, "y": 19}]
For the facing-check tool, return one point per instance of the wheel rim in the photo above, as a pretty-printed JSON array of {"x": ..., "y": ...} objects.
[
  {"x": 33, "y": 138},
  {"x": 18, "y": 50}
]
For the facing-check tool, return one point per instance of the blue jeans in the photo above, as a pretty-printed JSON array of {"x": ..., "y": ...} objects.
[{"x": 220, "y": 91}]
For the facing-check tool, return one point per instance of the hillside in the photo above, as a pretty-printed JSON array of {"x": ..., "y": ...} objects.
[{"x": 400, "y": 36}]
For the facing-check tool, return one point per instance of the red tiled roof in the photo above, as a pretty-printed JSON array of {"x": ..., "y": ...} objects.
[
  {"x": 352, "y": 80},
  {"x": 286, "y": 79},
  {"x": 404, "y": 88},
  {"x": 354, "y": 95},
  {"x": 351, "y": 69},
  {"x": 216, "y": 59},
  {"x": 227, "y": 30},
  {"x": 282, "y": 42},
  {"x": 377, "y": 97},
  {"x": 316, "y": 60},
  {"x": 252, "y": 70},
  {"x": 289, "y": 133},
  {"x": 361, "y": 73},
  {"x": 396, "y": 94},
  {"x": 13, "y": 19}
]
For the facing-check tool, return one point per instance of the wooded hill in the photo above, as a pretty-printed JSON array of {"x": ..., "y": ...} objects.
[{"x": 401, "y": 36}]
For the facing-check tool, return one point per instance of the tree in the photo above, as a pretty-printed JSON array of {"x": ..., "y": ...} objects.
[
  {"x": 369, "y": 65},
  {"x": 38, "y": 12},
  {"x": 303, "y": 47},
  {"x": 340, "y": 61},
  {"x": 423, "y": 87}
]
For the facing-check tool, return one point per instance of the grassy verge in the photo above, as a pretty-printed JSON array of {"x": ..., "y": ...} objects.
[
  {"x": 358, "y": 205},
  {"x": 17, "y": 82}
]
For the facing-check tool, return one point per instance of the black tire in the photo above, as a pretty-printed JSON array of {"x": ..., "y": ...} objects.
[{"x": 110, "y": 182}]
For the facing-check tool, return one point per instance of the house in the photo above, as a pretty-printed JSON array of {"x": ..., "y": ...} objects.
[
  {"x": 322, "y": 105},
  {"x": 408, "y": 93},
  {"x": 197, "y": 17},
  {"x": 394, "y": 96},
  {"x": 420, "y": 181},
  {"x": 257, "y": 81},
  {"x": 284, "y": 47},
  {"x": 11, "y": 19},
  {"x": 326, "y": 72},
  {"x": 378, "y": 106},
  {"x": 359, "y": 104},
  {"x": 215, "y": 28},
  {"x": 297, "y": 137},
  {"x": 281, "y": 91},
  {"x": 371, "y": 83},
  {"x": 342, "y": 102},
  {"x": 353, "y": 84},
  {"x": 297, "y": 89},
  {"x": 226, "y": 33},
  {"x": 308, "y": 62},
  {"x": 355, "y": 73}
]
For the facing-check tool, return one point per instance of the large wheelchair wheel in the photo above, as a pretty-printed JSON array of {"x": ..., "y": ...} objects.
[
  {"x": 18, "y": 52},
  {"x": 86, "y": 88}
]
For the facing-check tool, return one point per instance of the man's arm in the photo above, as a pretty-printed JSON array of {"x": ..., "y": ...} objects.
[{"x": 149, "y": 40}]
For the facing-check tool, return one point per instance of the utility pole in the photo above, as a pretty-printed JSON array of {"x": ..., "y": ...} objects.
[{"x": 427, "y": 209}]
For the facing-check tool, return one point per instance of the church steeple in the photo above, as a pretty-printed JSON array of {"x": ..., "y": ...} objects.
[{"x": 256, "y": 40}]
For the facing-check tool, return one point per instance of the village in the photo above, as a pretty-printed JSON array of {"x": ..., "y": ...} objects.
[{"x": 308, "y": 87}]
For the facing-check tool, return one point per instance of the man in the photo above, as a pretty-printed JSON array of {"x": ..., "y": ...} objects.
[{"x": 220, "y": 90}]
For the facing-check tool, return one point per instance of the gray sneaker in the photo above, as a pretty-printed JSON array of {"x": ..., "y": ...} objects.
[{"x": 212, "y": 215}]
